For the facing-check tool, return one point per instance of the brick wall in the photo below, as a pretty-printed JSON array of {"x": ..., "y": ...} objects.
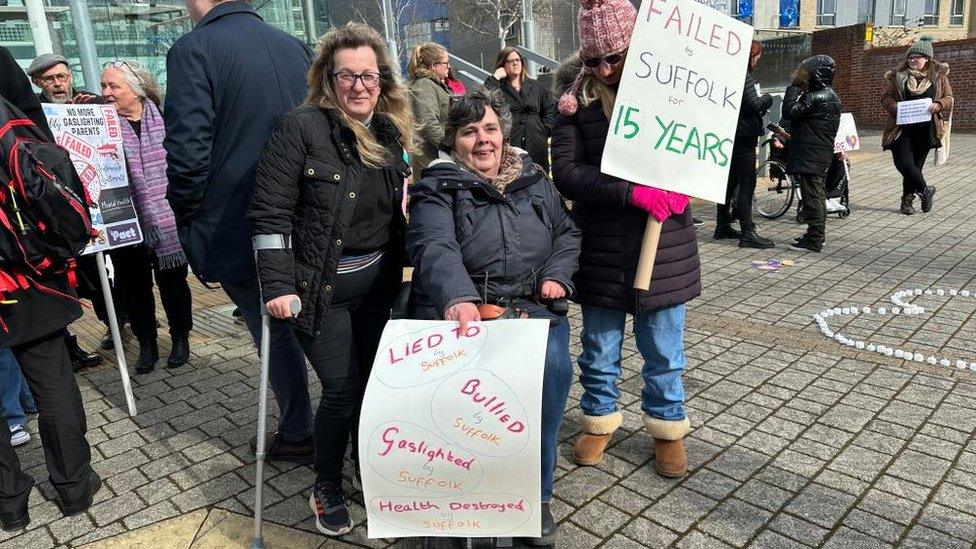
[{"x": 861, "y": 69}]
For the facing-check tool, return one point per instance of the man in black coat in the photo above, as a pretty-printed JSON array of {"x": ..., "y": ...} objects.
[
  {"x": 33, "y": 327},
  {"x": 814, "y": 115},
  {"x": 229, "y": 79}
]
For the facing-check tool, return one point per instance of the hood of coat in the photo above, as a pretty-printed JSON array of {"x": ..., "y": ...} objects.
[
  {"x": 567, "y": 72},
  {"x": 821, "y": 69}
]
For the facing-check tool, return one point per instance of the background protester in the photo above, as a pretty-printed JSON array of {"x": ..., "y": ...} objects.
[
  {"x": 487, "y": 226},
  {"x": 742, "y": 168},
  {"x": 529, "y": 102},
  {"x": 16, "y": 400},
  {"x": 35, "y": 322},
  {"x": 429, "y": 66},
  {"x": 454, "y": 84},
  {"x": 920, "y": 76},
  {"x": 221, "y": 105},
  {"x": 135, "y": 95},
  {"x": 612, "y": 215},
  {"x": 814, "y": 113},
  {"x": 331, "y": 182},
  {"x": 51, "y": 73}
]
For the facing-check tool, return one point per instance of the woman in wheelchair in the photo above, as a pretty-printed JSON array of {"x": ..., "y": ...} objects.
[{"x": 490, "y": 237}]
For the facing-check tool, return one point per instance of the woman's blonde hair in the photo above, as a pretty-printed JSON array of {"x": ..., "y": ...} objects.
[
  {"x": 394, "y": 100},
  {"x": 591, "y": 89},
  {"x": 422, "y": 59}
]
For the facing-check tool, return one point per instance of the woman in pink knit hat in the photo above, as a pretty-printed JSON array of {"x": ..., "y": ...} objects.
[{"x": 612, "y": 214}]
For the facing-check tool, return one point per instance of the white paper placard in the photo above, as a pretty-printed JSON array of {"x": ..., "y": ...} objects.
[
  {"x": 92, "y": 135},
  {"x": 846, "y": 138},
  {"x": 449, "y": 433},
  {"x": 678, "y": 103},
  {"x": 914, "y": 111}
]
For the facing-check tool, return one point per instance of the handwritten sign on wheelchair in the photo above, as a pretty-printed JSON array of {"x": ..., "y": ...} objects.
[
  {"x": 677, "y": 106},
  {"x": 92, "y": 135},
  {"x": 449, "y": 435}
]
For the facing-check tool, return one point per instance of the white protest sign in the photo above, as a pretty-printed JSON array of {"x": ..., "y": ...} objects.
[
  {"x": 846, "y": 138},
  {"x": 677, "y": 106},
  {"x": 92, "y": 134},
  {"x": 913, "y": 112},
  {"x": 449, "y": 434}
]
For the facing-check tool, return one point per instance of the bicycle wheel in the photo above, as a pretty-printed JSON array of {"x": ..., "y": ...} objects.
[{"x": 774, "y": 190}]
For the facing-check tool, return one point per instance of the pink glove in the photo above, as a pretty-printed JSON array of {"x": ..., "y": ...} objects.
[{"x": 660, "y": 204}]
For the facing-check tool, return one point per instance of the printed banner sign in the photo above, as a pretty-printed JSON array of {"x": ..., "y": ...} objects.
[
  {"x": 914, "y": 111},
  {"x": 677, "y": 107},
  {"x": 92, "y": 134},
  {"x": 449, "y": 435},
  {"x": 846, "y": 138}
]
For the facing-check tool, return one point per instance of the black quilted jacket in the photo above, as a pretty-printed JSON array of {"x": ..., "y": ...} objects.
[
  {"x": 612, "y": 230},
  {"x": 307, "y": 183},
  {"x": 814, "y": 119}
]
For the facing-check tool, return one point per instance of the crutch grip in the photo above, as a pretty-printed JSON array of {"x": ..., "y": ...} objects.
[{"x": 295, "y": 306}]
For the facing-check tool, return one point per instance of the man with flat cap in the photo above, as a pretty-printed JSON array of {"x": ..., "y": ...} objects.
[{"x": 51, "y": 73}]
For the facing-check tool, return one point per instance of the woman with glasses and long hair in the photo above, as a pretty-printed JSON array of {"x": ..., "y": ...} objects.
[
  {"x": 612, "y": 213},
  {"x": 136, "y": 96},
  {"x": 428, "y": 68},
  {"x": 530, "y": 103},
  {"x": 328, "y": 192}
]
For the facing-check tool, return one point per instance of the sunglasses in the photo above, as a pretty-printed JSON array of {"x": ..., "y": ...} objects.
[{"x": 612, "y": 60}]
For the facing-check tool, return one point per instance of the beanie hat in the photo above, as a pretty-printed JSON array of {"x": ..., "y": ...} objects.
[
  {"x": 605, "y": 28},
  {"x": 922, "y": 46}
]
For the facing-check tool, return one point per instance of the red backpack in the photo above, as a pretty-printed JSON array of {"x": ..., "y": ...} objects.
[{"x": 44, "y": 217}]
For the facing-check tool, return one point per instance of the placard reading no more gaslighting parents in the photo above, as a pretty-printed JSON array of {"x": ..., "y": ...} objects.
[
  {"x": 449, "y": 438},
  {"x": 678, "y": 103},
  {"x": 92, "y": 134}
]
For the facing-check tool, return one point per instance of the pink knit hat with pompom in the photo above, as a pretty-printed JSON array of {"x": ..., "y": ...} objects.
[{"x": 605, "y": 28}]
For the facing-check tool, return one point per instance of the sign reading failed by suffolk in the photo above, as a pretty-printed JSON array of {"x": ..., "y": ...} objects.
[
  {"x": 449, "y": 433},
  {"x": 92, "y": 135},
  {"x": 678, "y": 102}
]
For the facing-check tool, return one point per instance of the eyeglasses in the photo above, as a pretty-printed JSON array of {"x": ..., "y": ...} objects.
[
  {"x": 51, "y": 78},
  {"x": 347, "y": 80},
  {"x": 513, "y": 61},
  {"x": 448, "y": 63},
  {"x": 612, "y": 60}
]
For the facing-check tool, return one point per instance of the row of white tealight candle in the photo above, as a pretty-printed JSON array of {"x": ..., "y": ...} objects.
[{"x": 901, "y": 308}]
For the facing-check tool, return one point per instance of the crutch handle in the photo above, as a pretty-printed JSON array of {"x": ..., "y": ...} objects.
[{"x": 296, "y": 307}]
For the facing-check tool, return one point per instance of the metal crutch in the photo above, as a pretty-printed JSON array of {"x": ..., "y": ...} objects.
[{"x": 264, "y": 242}]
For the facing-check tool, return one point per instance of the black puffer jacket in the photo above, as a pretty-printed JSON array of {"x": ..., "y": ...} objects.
[
  {"x": 462, "y": 229},
  {"x": 814, "y": 118},
  {"x": 752, "y": 109},
  {"x": 307, "y": 184},
  {"x": 612, "y": 229},
  {"x": 533, "y": 112}
]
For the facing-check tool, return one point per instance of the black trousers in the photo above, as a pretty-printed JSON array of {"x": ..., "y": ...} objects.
[
  {"x": 135, "y": 267},
  {"x": 742, "y": 176},
  {"x": 61, "y": 423},
  {"x": 813, "y": 197},
  {"x": 342, "y": 357},
  {"x": 909, "y": 152}
]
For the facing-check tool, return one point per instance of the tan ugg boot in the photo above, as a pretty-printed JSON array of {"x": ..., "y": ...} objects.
[
  {"x": 595, "y": 437},
  {"x": 670, "y": 459}
]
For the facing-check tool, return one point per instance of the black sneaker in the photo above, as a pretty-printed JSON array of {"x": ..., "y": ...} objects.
[
  {"x": 723, "y": 232},
  {"x": 328, "y": 502},
  {"x": 806, "y": 245},
  {"x": 751, "y": 239},
  {"x": 697, "y": 222}
]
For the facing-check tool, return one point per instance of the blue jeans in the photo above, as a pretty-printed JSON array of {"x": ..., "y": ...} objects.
[
  {"x": 13, "y": 386},
  {"x": 660, "y": 342},
  {"x": 556, "y": 380},
  {"x": 287, "y": 373}
]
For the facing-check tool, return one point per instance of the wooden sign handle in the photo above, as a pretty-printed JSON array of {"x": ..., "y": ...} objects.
[{"x": 645, "y": 266}]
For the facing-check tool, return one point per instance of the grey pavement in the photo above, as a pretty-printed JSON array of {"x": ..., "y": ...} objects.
[{"x": 798, "y": 441}]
